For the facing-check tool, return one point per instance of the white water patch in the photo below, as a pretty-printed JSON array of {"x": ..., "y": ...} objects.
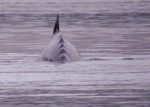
[{"x": 27, "y": 69}]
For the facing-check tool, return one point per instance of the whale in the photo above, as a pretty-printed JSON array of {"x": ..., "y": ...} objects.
[{"x": 59, "y": 48}]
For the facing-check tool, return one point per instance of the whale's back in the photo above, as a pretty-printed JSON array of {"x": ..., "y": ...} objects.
[{"x": 60, "y": 50}]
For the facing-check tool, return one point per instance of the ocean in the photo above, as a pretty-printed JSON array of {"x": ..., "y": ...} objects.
[{"x": 112, "y": 36}]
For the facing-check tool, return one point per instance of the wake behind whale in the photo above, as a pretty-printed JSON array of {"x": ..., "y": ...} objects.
[{"x": 59, "y": 49}]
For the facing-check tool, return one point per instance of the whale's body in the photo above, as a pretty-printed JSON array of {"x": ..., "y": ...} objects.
[{"x": 59, "y": 49}]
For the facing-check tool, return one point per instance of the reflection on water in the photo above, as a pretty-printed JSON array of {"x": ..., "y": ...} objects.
[{"x": 112, "y": 37}]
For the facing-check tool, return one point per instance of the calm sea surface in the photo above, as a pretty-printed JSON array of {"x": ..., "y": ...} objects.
[{"x": 113, "y": 37}]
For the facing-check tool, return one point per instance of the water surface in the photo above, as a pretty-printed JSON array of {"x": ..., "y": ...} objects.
[{"x": 112, "y": 36}]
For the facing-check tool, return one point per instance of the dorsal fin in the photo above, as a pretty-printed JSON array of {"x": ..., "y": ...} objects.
[{"x": 56, "y": 27}]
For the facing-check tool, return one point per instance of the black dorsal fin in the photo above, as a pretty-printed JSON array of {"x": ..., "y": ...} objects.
[{"x": 56, "y": 27}]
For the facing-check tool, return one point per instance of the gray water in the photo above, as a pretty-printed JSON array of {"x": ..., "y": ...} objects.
[{"x": 113, "y": 37}]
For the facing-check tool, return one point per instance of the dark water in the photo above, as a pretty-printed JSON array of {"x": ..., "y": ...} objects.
[{"x": 113, "y": 37}]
